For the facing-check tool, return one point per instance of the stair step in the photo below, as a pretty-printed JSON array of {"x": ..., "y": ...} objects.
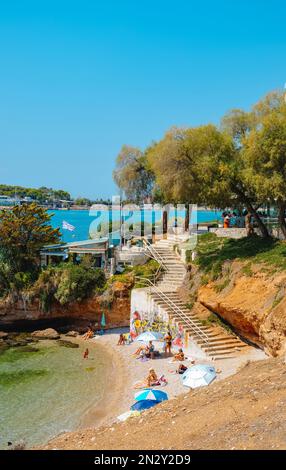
[
  {"x": 222, "y": 352},
  {"x": 226, "y": 339},
  {"x": 222, "y": 347}
]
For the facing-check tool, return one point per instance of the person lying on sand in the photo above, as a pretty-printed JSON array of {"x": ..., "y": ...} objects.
[
  {"x": 181, "y": 369},
  {"x": 180, "y": 356},
  {"x": 88, "y": 334},
  {"x": 151, "y": 380},
  {"x": 139, "y": 350}
]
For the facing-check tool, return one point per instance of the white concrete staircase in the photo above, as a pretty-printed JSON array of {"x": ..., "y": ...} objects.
[{"x": 215, "y": 342}]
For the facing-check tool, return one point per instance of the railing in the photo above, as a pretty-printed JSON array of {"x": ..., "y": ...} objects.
[
  {"x": 188, "y": 322},
  {"x": 154, "y": 254}
]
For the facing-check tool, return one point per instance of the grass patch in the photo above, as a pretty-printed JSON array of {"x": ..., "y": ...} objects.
[
  {"x": 247, "y": 270},
  {"x": 220, "y": 287},
  {"x": 213, "y": 252},
  {"x": 147, "y": 270},
  {"x": 214, "y": 320}
]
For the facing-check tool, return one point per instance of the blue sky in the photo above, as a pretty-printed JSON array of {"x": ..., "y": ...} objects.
[{"x": 80, "y": 78}]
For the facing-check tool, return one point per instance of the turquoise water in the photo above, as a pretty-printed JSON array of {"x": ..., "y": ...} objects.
[
  {"x": 48, "y": 391},
  {"x": 84, "y": 220}
]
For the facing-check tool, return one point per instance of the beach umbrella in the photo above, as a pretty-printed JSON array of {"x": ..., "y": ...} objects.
[
  {"x": 149, "y": 336},
  {"x": 143, "y": 405},
  {"x": 198, "y": 376},
  {"x": 149, "y": 394},
  {"x": 103, "y": 322}
]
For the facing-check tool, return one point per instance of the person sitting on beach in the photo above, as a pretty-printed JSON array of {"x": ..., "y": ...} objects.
[
  {"x": 181, "y": 369},
  {"x": 152, "y": 378},
  {"x": 122, "y": 340},
  {"x": 180, "y": 356},
  {"x": 88, "y": 334},
  {"x": 150, "y": 350}
]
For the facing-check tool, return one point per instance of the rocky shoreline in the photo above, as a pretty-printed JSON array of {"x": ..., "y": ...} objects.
[{"x": 27, "y": 341}]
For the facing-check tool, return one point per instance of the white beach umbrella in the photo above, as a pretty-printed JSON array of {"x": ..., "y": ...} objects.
[
  {"x": 149, "y": 336},
  {"x": 198, "y": 376}
]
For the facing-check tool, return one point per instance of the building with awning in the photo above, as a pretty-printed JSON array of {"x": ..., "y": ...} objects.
[{"x": 98, "y": 248}]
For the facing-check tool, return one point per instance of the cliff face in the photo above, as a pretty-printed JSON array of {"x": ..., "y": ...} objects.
[
  {"x": 116, "y": 310},
  {"x": 255, "y": 305}
]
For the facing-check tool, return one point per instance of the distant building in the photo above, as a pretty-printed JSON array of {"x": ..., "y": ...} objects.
[
  {"x": 52, "y": 254},
  {"x": 7, "y": 201}
]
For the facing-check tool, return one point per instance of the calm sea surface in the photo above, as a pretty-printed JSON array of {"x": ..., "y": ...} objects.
[
  {"x": 48, "y": 391},
  {"x": 85, "y": 222}
]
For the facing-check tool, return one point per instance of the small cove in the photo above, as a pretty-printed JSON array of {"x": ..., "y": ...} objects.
[{"x": 47, "y": 388}]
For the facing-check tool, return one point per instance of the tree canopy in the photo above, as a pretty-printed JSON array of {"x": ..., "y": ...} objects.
[
  {"x": 241, "y": 164},
  {"x": 132, "y": 174},
  {"x": 24, "y": 230},
  {"x": 40, "y": 195}
]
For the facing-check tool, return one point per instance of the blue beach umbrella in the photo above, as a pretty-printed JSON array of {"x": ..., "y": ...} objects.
[
  {"x": 103, "y": 321},
  {"x": 149, "y": 336},
  {"x": 149, "y": 394},
  {"x": 143, "y": 405},
  {"x": 198, "y": 376}
]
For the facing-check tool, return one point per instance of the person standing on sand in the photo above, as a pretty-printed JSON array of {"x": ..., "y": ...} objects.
[
  {"x": 168, "y": 343},
  {"x": 122, "y": 340},
  {"x": 86, "y": 354}
]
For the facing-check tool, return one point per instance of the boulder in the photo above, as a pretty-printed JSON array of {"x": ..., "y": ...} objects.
[
  {"x": 73, "y": 334},
  {"x": 67, "y": 344},
  {"x": 49, "y": 333},
  {"x": 3, "y": 335}
]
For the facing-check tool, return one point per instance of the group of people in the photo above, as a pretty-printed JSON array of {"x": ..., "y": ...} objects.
[{"x": 152, "y": 380}]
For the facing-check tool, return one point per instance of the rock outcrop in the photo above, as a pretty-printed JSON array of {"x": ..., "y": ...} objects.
[
  {"x": 115, "y": 303},
  {"x": 48, "y": 333},
  {"x": 255, "y": 305}
]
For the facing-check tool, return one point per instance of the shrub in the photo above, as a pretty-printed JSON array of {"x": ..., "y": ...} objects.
[{"x": 67, "y": 283}]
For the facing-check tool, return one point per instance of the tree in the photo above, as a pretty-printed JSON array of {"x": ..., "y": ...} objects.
[
  {"x": 203, "y": 165},
  {"x": 24, "y": 230},
  {"x": 132, "y": 174},
  {"x": 237, "y": 123},
  {"x": 265, "y": 156},
  {"x": 82, "y": 201}
]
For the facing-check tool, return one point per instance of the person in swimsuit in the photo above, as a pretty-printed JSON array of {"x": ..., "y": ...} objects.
[
  {"x": 88, "y": 334},
  {"x": 122, "y": 340},
  {"x": 86, "y": 353},
  {"x": 181, "y": 369},
  {"x": 151, "y": 378},
  {"x": 180, "y": 356},
  {"x": 168, "y": 344}
]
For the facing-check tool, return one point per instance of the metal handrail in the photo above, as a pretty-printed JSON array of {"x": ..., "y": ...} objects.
[
  {"x": 155, "y": 254},
  {"x": 190, "y": 323}
]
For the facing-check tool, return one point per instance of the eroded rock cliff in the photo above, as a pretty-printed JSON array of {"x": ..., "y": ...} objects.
[{"x": 254, "y": 304}]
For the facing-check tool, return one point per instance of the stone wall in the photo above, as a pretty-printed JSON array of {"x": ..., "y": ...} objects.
[{"x": 229, "y": 232}]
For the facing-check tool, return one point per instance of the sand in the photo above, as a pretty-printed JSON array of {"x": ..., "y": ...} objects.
[{"x": 125, "y": 370}]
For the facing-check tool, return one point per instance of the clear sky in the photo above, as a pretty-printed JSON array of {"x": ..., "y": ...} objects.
[{"x": 80, "y": 78}]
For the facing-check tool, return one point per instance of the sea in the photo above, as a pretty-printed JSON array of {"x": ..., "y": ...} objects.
[
  {"x": 47, "y": 389},
  {"x": 85, "y": 222}
]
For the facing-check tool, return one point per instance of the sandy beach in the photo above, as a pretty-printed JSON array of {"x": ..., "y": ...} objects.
[{"x": 125, "y": 370}]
